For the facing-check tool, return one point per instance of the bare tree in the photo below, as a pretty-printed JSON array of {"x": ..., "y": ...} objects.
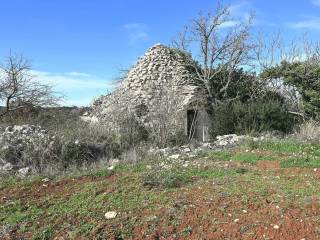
[
  {"x": 182, "y": 41},
  {"x": 19, "y": 89},
  {"x": 163, "y": 120},
  {"x": 223, "y": 45}
]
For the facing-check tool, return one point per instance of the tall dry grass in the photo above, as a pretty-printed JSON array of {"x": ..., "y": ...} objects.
[{"x": 308, "y": 131}]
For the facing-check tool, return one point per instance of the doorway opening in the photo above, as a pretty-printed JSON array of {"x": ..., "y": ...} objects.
[{"x": 191, "y": 122}]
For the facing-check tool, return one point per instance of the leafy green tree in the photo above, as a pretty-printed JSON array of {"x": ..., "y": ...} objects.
[
  {"x": 241, "y": 87},
  {"x": 305, "y": 77}
]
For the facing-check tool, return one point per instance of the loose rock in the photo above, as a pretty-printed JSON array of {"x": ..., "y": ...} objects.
[{"x": 110, "y": 215}]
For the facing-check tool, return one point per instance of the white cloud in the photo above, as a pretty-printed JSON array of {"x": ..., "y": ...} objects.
[
  {"x": 241, "y": 10},
  {"x": 77, "y": 102},
  {"x": 228, "y": 24},
  {"x": 79, "y": 74},
  {"x": 78, "y": 88},
  {"x": 310, "y": 23},
  {"x": 66, "y": 81},
  {"x": 136, "y": 32}
]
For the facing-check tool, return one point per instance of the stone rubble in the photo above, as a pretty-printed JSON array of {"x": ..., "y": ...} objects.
[
  {"x": 23, "y": 172},
  {"x": 6, "y": 167},
  {"x": 190, "y": 151},
  {"x": 19, "y": 136},
  {"x": 230, "y": 140},
  {"x": 14, "y": 139}
]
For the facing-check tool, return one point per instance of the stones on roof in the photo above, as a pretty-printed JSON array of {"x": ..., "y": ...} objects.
[{"x": 160, "y": 77}]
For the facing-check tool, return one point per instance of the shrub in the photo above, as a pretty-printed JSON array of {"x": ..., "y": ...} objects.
[
  {"x": 130, "y": 132},
  {"x": 165, "y": 179},
  {"x": 308, "y": 131},
  {"x": 252, "y": 117},
  {"x": 78, "y": 144},
  {"x": 176, "y": 176},
  {"x": 68, "y": 141},
  {"x": 49, "y": 118}
]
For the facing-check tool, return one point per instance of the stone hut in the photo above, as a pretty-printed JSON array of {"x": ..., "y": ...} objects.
[{"x": 158, "y": 90}]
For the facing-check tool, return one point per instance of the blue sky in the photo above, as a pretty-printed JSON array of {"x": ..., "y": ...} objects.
[{"x": 79, "y": 45}]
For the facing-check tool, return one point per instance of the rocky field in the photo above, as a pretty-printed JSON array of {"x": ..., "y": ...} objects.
[{"x": 265, "y": 189}]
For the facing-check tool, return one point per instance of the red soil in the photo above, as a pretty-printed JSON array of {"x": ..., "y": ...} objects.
[{"x": 226, "y": 217}]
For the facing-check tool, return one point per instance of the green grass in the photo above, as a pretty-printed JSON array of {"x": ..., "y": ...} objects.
[
  {"x": 296, "y": 154},
  {"x": 267, "y": 183},
  {"x": 290, "y": 154},
  {"x": 89, "y": 201},
  {"x": 221, "y": 155},
  {"x": 309, "y": 162},
  {"x": 129, "y": 189},
  {"x": 178, "y": 177},
  {"x": 12, "y": 181},
  {"x": 286, "y": 146},
  {"x": 243, "y": 157},
  {"x": 250, "y": 158},
  {"x": 280, "y": 146},
  {"x": 44, "y": 234},
  {"x": 14, "y": 212}
]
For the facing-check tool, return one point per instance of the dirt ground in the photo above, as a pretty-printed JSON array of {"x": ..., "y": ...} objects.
[{"x": 224, "y": 208}]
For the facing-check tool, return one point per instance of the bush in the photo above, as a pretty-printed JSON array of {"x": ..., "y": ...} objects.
[
  {"x": 131, "y": 132},
  {"x": 48, "y": 118},
  {"x": 78, "y": 145},
  {"x": 252, "y": 117},
  {"x": 165, "y": 179},
  {"x": 64, "y": 140},
  {"x": 175, "y": 176},
  {"x": 308, "y": 131}
]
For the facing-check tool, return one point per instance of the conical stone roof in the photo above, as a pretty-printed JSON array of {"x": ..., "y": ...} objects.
[{"x": 159, "y": 77}]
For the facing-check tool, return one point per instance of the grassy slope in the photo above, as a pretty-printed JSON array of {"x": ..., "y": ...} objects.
[{"x": 214, "y": 190}]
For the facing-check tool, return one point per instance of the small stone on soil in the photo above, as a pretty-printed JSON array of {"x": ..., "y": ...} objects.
[
  {"x": 111, "y": 168},
  {"x": 45, "y": 180},
  {"x": 110, "y": 215}
]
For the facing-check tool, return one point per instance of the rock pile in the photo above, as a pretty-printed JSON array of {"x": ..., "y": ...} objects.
[
  {"x": 189, "y": 151},
  {"x": 221, "y": 142},
  {"x": 230, "y": 140},
  {"x": 14, "y": 140},
  {"x": 22, "y": 133},
  {"x": 19, "y": 137}
]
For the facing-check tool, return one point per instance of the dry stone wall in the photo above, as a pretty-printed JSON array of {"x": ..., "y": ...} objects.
[{"x": 158, "y": 88}]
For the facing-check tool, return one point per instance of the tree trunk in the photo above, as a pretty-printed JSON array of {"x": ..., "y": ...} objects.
[{"x": 8, "y": 105}]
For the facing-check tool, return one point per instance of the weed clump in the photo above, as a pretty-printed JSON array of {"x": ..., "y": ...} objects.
[{"x": 165, "y": 179}]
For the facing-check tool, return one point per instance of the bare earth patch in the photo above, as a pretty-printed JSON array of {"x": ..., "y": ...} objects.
[{"x": 268, "y": 164}]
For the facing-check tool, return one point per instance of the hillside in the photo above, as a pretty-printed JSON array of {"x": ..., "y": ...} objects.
[{"x": 267, "y": 190}]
